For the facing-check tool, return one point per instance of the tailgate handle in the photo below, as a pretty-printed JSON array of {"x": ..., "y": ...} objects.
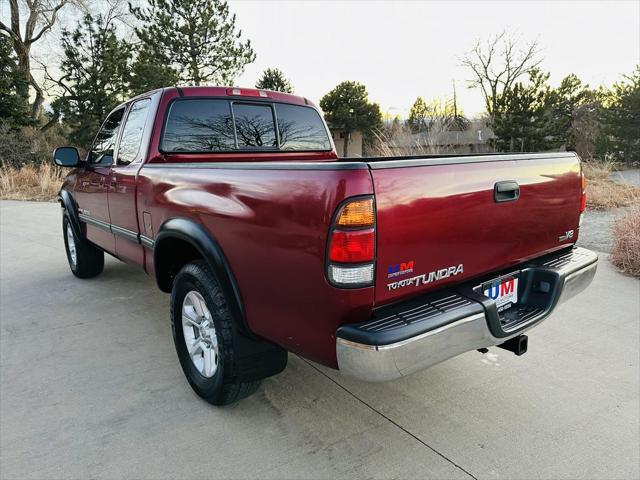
[{"x": 507, "y": 191}]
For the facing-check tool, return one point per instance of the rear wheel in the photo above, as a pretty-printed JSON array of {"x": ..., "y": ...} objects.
[
  {"x": 203, "y": 333},
  {"x": 85, "y": 260}
]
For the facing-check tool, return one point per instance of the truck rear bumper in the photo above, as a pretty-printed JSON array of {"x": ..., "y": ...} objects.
[{"x": 415, "y": 335}]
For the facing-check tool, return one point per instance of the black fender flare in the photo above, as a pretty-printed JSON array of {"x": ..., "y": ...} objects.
[
  {"x": 209, "y": 248},
  {"x": 66, "y": 202}
]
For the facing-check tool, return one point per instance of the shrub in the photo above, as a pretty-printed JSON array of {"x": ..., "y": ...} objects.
[
  {"x": 28, "y": 145},
  {"x": 602, "y": 192},
  {"x": 625, "y": 253},
  {"x": 15, "y": 148}
]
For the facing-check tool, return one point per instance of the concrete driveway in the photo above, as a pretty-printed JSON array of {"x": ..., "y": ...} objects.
[{"x": 91, "y": 387}]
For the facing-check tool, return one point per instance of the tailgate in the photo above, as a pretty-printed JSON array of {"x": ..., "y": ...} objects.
[{"x": 439, "y": 220}]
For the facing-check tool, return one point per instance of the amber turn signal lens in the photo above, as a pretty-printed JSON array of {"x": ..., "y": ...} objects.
[{"x": 357, "y": 213}]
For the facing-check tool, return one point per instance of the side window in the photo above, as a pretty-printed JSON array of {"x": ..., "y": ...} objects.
[
  {"x": 254, "y": 126},
  {"x": 132, "y": 132},
  {"x": 196, "y": 125},
  {"x": 102, "y": 151}
]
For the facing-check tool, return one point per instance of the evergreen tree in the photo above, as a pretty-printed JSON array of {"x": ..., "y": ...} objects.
[
  {"x": 570, "y": 103},
  {"x": 196, "y": 38},
  {"x": 274, "y": 79},
  {"x": 418, "y": 115},
  {"x": 347, "y": 108},
  {"x": 620, "y": 136},
  {"x": 14, "y": 107},
  {"x": 148, "y": 73},
  {"x": 522, "y": 120},
  {"x": 95, "y": 76}
]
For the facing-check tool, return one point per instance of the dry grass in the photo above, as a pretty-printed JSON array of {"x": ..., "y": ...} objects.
[
  {"x": 625, "y": 253},
  {"x": 30, "y": 182},
  {"x": 602, "y": 192},
  {"x": 400, "y": 142}
]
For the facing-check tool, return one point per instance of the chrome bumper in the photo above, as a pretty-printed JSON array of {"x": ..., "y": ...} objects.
[{"x": 377, "y": 362}]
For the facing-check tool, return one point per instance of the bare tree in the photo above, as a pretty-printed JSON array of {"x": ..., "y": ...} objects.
[
  {"x": 40, "y": 19},
  {"x": 498, "y": 63}
]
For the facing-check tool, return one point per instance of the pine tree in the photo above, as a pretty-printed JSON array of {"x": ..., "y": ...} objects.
[
  {"x": 95, "y": 76},
  {"x": 148, "y": 73},
  {"x": 348, "y": 109},
  {"x": 196, "y": 38},
  {"x": 274, "y": 79},
  {"x": 570, "y": 103},
  {"x": 523, "y": 120},
  {"x": 620, "y": 136},
  {"x": 418, "y": 114},
  {"x": 14, "y": 107}
]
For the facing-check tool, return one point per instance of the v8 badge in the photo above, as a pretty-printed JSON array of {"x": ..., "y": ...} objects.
[{"x": 566, "y": 236}]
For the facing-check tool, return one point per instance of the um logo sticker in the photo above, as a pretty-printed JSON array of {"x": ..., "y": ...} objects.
[{"x": 400, "y": 269}]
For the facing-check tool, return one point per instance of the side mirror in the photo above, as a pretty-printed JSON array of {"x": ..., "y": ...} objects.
[{"x": 66, "y": 157}]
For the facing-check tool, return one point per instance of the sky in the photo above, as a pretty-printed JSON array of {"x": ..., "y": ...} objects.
[{"x": 400, "y": 50}]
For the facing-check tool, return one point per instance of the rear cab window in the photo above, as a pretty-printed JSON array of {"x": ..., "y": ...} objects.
[
  {"x": 301, "y": 128},
  {"x": 219, "y": 125},
  {"x": 255, "y": 125}
]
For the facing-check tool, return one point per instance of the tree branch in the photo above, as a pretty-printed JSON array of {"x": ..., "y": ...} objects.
[
  {"x": 14, "y": 36},
  {"x": 49, "y": 24},
  {"x": 15, "y": 18}
]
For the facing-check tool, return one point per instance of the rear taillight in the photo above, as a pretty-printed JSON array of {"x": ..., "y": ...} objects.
[
  {"x": 583, "y": 196},
  {"x": 352, "y": 244}
]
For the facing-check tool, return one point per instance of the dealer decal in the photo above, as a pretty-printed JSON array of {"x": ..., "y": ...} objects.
[
  {"x": 402, "y": 268},
  {"x": 426, "y": 278}
]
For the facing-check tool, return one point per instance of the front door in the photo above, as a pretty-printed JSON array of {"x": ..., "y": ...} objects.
[{"x": 93, "y": 183}]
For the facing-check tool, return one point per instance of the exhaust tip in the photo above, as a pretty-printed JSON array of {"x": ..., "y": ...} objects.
[{"x": 517, "y": 345}]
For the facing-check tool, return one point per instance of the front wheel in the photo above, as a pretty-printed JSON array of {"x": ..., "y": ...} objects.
[
  {"x": 85, "y": 260},
  {"x": 203, "y": 333}
]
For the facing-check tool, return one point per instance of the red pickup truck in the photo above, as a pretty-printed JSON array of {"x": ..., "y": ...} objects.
[{"x": 235, "y": 200}]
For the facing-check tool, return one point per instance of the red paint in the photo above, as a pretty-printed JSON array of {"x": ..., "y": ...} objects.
[{"x": 273, "y": 225}]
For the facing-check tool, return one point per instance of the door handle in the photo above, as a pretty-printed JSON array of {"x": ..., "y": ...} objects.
[{"x": 506, "y": 191}]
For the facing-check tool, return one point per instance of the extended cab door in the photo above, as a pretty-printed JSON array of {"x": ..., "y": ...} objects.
[
  {"x": 122, "y": 182},
  {"x": 93, "y": 182}
]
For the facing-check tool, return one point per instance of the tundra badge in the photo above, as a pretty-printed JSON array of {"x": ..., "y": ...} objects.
[{"x": 427, "y": 277}]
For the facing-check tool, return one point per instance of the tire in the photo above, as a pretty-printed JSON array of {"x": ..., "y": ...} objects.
[
  {"x": 215, "y": 379},
  {"x": 85, "y": 260}
]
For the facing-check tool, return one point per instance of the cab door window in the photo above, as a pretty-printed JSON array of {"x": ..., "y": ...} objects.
[
  {"x": 132, "y": 132},
  {"x": 101, "y": 153}
]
